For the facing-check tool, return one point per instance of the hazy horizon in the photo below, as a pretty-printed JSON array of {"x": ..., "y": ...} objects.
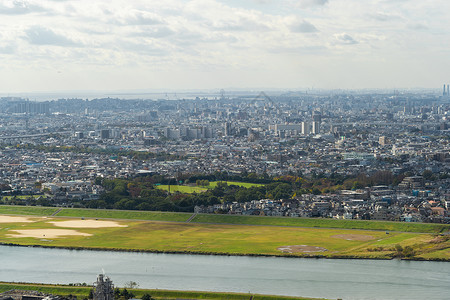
[{"x": 175, "y": 94}]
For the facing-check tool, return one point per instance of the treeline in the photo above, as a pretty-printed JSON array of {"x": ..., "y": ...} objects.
[
  {"x": 225, "y": 176},
  {"x": 140, "y": 193}
]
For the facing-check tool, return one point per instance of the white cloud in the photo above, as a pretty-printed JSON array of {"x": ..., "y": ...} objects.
[
  {"x": 137, "y": 17},
  {"x": 196, "y": 38},
  {"x": 303, "y": 27},
  {"x": 311, "y": 3},
  {"x": 43, "y": 36},
  {"x": 345, "y": 38},
  {"x": 19, "y": 7}
]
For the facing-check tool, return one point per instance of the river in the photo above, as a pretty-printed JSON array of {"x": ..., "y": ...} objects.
[{"x": 327, "y": 278}]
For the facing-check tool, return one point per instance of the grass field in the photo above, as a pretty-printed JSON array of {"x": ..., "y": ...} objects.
[
  {"x": 27, "y": 210},
  {"x": 83, "y": 292},
  {"x": 185, "y": 189},
  {"x": 230, "y": 239},
  {"x": 189, "y": 189},
  {"x": 322, "y": 223},
  {"x": 226, "y": 219},
  {"x": 125, "y": 214}
]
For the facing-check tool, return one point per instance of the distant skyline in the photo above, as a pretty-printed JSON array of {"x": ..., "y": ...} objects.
[{"x": 57, "y": 45}]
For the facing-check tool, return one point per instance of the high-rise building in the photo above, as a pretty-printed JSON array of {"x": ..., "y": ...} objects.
[
  {"x": 305, "y": 128},
  {"x": 315, "y": 127},
  {"x": 317, "y": 116},
  {"x": 105, "y": 134},
  {"x": 227, "y": 129},
  {"x": 382, "y": 140}
]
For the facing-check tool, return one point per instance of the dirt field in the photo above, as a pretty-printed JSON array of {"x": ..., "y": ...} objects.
[
  {"x": 301, "y": 249},
  {"x": 87, "y": 224},
  {"x": 353, "y": 237},
  {"x": 47, "y": 233},
  {"x": 9, "y": 219}
]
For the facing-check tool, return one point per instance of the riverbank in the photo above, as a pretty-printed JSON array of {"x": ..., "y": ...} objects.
[
  {"x": 82, "y": 292},
  {"x": 316, "y": 256},
  {"x": 131, "y": 235}
]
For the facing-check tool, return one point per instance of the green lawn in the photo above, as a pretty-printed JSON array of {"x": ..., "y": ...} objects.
[
  {"x": 83, "y": 292},
  {"x": 185, "y": 189},
  {"x": 27, "y": 210},
  {"x": 322, "y": 223},
  {"x": 125, "y": 214},
  {"x": 189, "y": 189}
]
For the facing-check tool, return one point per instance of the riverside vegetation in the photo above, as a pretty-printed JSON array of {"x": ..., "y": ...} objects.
[
  {"x": 82, "y": 292},
  {"x": 236, "y": 235}
]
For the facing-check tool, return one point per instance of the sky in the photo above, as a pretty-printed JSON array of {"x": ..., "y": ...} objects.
[{"x": 58, "y": 45}]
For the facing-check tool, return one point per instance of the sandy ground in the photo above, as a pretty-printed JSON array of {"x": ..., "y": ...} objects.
[
  {"x": 301, "y": 249},
  {"x": 354, "y": 237},
  {"x": 10, "y": 219},
  {"x": 87, "y": 224},
  {"x": 46, "y": 233}
]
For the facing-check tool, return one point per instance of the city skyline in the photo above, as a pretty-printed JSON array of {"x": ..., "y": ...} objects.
[{"x": 207, "y": 44}]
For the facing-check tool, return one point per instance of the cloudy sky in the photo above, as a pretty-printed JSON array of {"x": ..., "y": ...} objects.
[{"x": 55, "y": 45}]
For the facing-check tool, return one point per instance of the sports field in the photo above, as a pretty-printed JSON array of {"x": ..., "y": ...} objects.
[
  {"x": 184, "y": 189},
  {"x": 180, "y": 237},
  {"x": 189, "y": 189}
]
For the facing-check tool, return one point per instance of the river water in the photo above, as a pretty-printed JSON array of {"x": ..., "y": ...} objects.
[{"x": 327, "y": 278}]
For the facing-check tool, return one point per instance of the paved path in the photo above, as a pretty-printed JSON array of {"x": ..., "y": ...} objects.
[
  {"x": 191, "y": 217},
  {"x": 56, "y": 212}
]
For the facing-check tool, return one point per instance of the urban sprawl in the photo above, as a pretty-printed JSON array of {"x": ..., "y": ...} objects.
[{"x": 346, "y": 155}]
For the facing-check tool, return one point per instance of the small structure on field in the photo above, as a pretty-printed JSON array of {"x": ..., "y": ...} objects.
[{"x": 103, "y": 288}]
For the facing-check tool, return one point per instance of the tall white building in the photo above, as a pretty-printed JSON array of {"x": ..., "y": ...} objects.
[
  {"x": 305, "y": 128},
  {"x": 315, "y": 127}
]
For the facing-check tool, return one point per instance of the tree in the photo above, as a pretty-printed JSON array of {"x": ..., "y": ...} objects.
[
  {"x": 147, "y": 297},
  {"x": 131, "y": 284},
  {"x": 125, "y": 294},
  {"x": 117, "y": 293}
]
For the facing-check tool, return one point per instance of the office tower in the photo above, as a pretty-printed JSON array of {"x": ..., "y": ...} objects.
[
  {"x": 315, "y": 127},
  {"x": 305, "y": 128}
]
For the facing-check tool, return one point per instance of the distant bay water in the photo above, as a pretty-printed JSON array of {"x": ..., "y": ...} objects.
[{"x": 321, "y": 278}]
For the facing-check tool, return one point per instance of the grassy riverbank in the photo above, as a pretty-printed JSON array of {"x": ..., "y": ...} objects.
[
  {"x": 226, "y": 219},
  {"x": 225, "y": 239},
  {"x": 83, "y": 292}
]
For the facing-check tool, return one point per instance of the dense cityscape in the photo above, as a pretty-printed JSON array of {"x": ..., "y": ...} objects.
[{"x": 345, "y": 155}]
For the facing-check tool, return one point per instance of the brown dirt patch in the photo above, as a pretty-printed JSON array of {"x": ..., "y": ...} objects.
[
  {"x": 354, "y": 237},
  {"x": 46, "y": 233},
  {"x": 301, "y": 249},
  {"x": 87, "y": 224},
  {"x": 10, "y": 219}
]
